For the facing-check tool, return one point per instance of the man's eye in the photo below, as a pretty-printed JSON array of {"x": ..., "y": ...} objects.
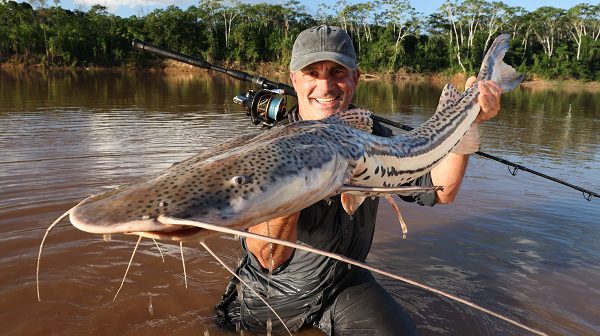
[{"x": 339, "y": 72}]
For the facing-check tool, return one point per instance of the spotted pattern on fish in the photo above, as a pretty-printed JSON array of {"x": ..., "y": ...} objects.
[{"x": 259, "y": 177}]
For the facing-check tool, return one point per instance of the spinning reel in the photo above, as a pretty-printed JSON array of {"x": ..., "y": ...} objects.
[{"x": 266, "y": 106}]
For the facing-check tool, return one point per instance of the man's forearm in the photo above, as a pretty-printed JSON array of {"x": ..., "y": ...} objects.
[
  {"x": 449, "y": 174},
  {"x": 282, "y": 228}
]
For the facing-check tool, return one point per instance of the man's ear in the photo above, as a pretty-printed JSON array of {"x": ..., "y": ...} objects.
[
  {"x": 292, "y": 77},
  {"x": 357, "y": 74}
]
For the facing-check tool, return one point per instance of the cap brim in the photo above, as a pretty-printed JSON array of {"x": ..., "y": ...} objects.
[{"x": 302, "y": 61}]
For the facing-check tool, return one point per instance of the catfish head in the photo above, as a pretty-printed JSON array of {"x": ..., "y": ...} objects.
[{"x": 237, "y": 188}]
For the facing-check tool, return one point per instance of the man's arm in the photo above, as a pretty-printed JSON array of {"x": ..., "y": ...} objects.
[
  {"x": 283, "y": 228},
  {"x": 450, "y": 171}
]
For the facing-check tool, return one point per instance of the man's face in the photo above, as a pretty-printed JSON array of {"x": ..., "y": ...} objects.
[{"x": 324, "y": 88}]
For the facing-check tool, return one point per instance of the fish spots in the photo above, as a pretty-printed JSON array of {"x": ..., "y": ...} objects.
[{"x": 220, "y": 188}]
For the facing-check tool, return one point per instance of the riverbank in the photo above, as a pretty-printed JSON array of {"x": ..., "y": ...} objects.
[
  {"x": 571, "y": 84},
  {"x": 271, "y": 70},
  {"x": 279, "y": 73}
]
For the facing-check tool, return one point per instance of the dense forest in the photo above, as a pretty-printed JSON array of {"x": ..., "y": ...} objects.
[{"x": 389, "y": 35}]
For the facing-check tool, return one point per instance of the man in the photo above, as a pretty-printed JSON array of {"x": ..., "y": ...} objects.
[{"x": 310, "y": 290}]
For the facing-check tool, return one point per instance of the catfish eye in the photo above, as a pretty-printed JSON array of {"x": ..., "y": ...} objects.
[{"x": 239, "y": 180}]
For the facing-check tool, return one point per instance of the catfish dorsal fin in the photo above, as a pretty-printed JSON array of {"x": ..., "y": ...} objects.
[
  {"x": 357, "y": 118},
  {"x": 449, "y": 96}
]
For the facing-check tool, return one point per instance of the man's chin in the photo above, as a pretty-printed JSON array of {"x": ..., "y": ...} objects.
[
  {"x": 326, "y": 110},
  {"x": 317, "y": 110}
]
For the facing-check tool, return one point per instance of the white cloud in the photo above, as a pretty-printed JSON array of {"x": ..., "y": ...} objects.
[
  {"x": 140, "y": 6},
  {"x": 126, "y": 8}
]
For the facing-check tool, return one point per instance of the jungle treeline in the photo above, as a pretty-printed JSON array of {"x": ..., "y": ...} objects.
[{"x": 389, "y": 35}]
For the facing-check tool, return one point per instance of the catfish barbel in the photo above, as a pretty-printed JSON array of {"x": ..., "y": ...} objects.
[{"x": 254, "y": 178}]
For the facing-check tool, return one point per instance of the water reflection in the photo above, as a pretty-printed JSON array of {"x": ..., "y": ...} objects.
[{"x": 522, "y": 246}]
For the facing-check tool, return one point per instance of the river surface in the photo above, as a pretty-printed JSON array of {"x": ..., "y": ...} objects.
[{"x": 521, "y": 246}]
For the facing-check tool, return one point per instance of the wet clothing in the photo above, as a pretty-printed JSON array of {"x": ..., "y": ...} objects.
[{"x": 313, "y": 290}]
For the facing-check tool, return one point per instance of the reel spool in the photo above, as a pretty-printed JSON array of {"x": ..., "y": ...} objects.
[{"x": 264, "y": 106}]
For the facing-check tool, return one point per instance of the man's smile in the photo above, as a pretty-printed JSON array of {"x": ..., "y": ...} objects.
[{"x": 326, "y": 100}]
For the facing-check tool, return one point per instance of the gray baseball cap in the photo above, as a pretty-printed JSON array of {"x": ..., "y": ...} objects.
[{"x": 323, "y": 43}]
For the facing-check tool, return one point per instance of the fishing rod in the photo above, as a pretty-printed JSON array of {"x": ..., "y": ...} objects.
[{"x": 268, "y": 106}]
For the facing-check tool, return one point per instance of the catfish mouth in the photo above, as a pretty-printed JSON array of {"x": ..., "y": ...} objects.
[
  {"x": 183, "y": 233},
  {"x": 84, "y": 218}
]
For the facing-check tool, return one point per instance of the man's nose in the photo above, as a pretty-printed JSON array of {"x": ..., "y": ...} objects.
[{"x": 325, "y": 84}]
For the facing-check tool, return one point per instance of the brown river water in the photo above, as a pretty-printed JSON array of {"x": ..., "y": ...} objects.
[{"x": 521, "y": 246}]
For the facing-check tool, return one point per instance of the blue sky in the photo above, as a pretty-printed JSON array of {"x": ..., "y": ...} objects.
[{"x": 127, "y": 8}]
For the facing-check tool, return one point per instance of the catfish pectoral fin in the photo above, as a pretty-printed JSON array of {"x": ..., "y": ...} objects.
[{"x": 381, "y": 191}]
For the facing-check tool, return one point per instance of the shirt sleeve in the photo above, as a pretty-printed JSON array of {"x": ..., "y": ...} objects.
[{"x": 426, "y": 198}]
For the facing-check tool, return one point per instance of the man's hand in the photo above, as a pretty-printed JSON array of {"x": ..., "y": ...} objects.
[{"x": 488, "y": 99}]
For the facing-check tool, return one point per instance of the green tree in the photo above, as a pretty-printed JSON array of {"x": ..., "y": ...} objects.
[
  {"x": 388, "y": 35},
  {"x": 20, "y": 29},
  {"x": 578, "y": 19},
  {"x": 548, "y": 27},
  {"x": 175, "y": 29}
]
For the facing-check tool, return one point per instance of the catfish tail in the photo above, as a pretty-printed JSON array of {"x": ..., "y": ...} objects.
[{"x": 494, "y": 68}]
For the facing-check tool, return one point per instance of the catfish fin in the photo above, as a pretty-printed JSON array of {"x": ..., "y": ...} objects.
[
  {"x": 351, "y": 202},
  {"x": 357, "y": 118},
  {"x": 449, "y": 97},
  {"x": 396, "y": 209},
  {"x": 382, "y": 191}
]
